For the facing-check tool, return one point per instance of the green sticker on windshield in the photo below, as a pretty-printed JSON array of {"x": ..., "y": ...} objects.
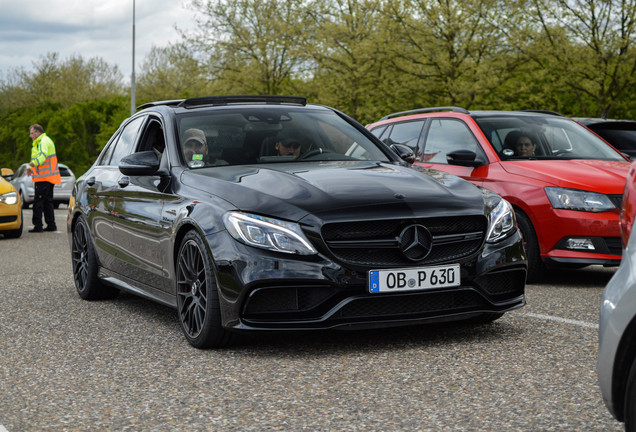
[{"x": 197, "y": 157}]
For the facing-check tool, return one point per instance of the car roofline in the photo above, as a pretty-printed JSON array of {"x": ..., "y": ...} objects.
[
  {"x": 456, "y": 109},
  {"x": 425, "y": 110},
  {"x": 196, "y": 102}
]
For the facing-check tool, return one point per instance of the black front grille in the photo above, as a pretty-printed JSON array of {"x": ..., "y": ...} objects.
[
  {"x": 414, "y": 305},
  {"x": 376, "y": 243},
  {"x": 7, "y": 219},
  {"x": 289, "y": 300},
  {"x": 502, "y": 285},
  {"x": 614, "y": 245}
]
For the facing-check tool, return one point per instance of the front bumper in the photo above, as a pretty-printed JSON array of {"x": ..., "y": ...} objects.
[
  {"x": 10, "y": 216},
  {"x": 557, "y": 228},
  {"x": 265, "y": 291}
]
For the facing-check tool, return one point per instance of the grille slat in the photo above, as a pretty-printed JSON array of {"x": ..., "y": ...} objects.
[{"x": 376, "y": 243}]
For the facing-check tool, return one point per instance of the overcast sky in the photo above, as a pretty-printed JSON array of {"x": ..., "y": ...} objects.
[{"x": 29, "y": 29}]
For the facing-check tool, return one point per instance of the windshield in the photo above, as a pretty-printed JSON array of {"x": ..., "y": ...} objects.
[
  {"x": 540, "y": 137},
  {"x": 270, "y": 134}
]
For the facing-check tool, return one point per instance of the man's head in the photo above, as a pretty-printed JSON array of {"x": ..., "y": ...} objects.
[
  {"x": 288, "y": 147},
  {"x": 194, "y": 144},
  {"x": 35, "y": 131}
]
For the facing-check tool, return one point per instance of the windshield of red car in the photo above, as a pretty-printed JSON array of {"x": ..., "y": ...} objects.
[{"x": 541, "y": 137}]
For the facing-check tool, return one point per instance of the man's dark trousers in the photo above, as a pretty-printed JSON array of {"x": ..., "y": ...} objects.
[{"x": 43, "y": 203}]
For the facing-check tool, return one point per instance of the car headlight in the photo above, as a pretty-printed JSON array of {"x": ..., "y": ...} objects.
[
  {"x": 501, "y": 219},
  {"x": 9, "y": 198},
  {"x": 267, "y": 233},
  {"x": 572, "y": 199}
]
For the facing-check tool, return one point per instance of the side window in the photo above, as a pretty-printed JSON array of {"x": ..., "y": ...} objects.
[
  {"x": 126, "y": 142},
  {"x": 407, "y": 133},
  {"x": 152, "y": 136},
  {"x": 379, "y": 130},
  {"x": 445, "y": 136},
  {"x": 107, "y": 151}
]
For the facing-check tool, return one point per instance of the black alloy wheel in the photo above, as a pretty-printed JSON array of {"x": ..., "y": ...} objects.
[
  {"x": 197, "y": 295},
  {"x": 84, "y": 263}
]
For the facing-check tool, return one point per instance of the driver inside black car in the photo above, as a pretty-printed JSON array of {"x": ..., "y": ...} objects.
[{"x": 287, "y": 147}]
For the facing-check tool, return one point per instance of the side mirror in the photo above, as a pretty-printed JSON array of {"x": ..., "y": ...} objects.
[
  {"x": 404, "y": 152},
  {"x": 466, "y": 158},
  {"x": 139, "y": 164},
  {"x": 6, "y": 173}
]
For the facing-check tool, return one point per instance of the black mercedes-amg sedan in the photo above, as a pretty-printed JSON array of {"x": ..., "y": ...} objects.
[{"x": 268, "y": 213}]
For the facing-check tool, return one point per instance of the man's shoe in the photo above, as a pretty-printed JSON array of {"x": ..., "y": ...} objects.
[
  {"x": 50, "y": 228},
  {"x": 36, "y": 229}
]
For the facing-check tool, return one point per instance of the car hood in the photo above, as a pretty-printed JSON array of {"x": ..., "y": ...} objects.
[
  {"x": 338, "y": 190},
  {"x": 592, "y": 175}
]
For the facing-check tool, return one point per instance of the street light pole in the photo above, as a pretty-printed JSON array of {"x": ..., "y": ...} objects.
[{"x": 132, "y": 77}]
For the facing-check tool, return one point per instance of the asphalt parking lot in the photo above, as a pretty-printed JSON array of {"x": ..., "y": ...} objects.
[{"x": 67, "y": 364}]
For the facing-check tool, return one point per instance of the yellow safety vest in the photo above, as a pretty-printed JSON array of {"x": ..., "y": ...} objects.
[{"x": 45, "y": 160}]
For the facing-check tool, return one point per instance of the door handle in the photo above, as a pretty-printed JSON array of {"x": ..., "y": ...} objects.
[{"x": 124, "y": 181}]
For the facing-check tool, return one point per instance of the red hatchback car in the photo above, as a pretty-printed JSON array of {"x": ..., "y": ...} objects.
[{"x": 564, "y": 182}]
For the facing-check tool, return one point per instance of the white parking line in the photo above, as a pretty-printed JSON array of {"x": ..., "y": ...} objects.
[
  {"x": 562, "y": 320},
  {"x": 2, "y": 429}
]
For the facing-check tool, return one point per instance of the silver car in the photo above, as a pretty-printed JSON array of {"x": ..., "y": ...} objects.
[
  {"x": 61, "y": 193},
  {"x": 616, "y": 364}
]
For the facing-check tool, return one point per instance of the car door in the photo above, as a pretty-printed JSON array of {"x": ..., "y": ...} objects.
[
  {"x": 141, "y": 238},
  {"x": 101, "y": 184},
  {"x": 442, "y": 136}
]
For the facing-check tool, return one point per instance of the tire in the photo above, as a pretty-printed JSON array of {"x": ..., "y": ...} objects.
[
  {"x": 536, "y": 267},
  {"x": 25, "y": 205},
  {"x": 629, "y": 408},
  {"x": 84, "y": 261},
  {"x": 197, "y": 295}
]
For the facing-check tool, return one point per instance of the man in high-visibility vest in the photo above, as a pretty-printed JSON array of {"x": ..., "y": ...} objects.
[{"x": 43, "y": 168}]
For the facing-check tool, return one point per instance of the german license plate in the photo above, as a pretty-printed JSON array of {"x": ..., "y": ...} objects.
[{"x": 412, "y": 279}]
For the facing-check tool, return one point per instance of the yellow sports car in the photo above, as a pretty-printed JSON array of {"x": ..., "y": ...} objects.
[{"x": 10, "y": 208}]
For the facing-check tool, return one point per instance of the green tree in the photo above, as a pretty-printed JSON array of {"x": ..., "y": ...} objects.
[
  {"x": 590, "y": 44},
  {"x": 172, "y": 72},
  {"x": 251, "y": 45},
  {"x": 63, "y": 82},
  {"x": 343, "y": 47},
  {"x": 449, "y": 51}
]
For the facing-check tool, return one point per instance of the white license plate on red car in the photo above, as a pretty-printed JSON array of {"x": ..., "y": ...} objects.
[{"x": 413, "y": 279}]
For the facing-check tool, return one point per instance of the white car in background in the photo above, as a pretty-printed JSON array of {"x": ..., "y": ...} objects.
[{"x": 61, "y": 193}]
